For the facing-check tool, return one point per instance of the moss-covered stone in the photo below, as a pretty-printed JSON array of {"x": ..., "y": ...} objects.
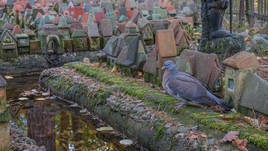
[
  {"x": 208, "y": 118},
  {"x": 223, "y": 47}
]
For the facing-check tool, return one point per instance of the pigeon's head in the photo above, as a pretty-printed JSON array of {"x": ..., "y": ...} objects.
[{"x": 169, "y": 65}]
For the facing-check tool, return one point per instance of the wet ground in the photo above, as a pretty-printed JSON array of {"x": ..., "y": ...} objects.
[{"x": 58, "y": 125}]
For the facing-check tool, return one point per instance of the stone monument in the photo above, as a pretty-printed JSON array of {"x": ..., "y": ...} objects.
[{"x": 215, "y": 39}]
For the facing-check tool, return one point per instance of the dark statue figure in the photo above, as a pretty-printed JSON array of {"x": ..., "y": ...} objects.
[{"x": 212, "y": 13}]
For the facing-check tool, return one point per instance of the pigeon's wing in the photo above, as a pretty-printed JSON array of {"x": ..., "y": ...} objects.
[
  {"x": 184, "y": 87},
  {"x": 190, "y": 87}
]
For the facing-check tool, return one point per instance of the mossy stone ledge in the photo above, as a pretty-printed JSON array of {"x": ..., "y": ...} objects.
[
  {"x": 210, "y": 122},
  {"x": 223, "y": 47}
]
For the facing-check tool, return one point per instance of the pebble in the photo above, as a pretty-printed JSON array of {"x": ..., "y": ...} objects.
[
  {"x": 211, "y": 141},
  {"x": 194, "y": 128},
  {"x": 19, "y": 141},
  {"x": 168, "y": 125},
  {"x": 182, "y": 129}
]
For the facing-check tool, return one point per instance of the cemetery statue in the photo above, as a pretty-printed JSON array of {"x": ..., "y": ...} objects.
[
  {"x": 215, "y": 39},
  {"x": 212, "y": 13}
]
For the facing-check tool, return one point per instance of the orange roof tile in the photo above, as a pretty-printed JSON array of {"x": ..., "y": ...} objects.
[
  {"x": 16, "y": 30},
  {"x": 242, "y": 60},
  {"x": 85, "y": 18},
  {"x": 165, "y": 43},
  {"x": 170, "y": 7},
  {"x": 3, "y": 2},
  {"x": 18, "y": 7},
  {"x": 129, "y": 13}
]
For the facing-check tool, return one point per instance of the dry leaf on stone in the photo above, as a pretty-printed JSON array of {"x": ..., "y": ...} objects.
[
  {"x": 230, "y": 136},
  {"x": 114, "y": 69},
  {"x": 193, "y": 137},
  {"x": 240, "y": 144},
  {"x": 263, "y": 123},
  {"x": 204, "y": 135}
]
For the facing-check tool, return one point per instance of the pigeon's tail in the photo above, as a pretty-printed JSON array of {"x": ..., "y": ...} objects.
[{"x": 219, "y": 101}]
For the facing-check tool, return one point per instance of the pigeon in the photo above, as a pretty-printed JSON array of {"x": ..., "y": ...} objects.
[{"x": 185, "y": 87}]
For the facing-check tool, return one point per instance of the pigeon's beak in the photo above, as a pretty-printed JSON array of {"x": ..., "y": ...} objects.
[{"x": 163, "y": 68}]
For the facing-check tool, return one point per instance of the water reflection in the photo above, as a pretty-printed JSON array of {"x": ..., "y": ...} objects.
[
  {"x": 41, "y": 124},
  {"x": 59, "y": 127}
]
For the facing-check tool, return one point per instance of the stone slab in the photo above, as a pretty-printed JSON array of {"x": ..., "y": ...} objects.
[{"x": 255, "y": 94}]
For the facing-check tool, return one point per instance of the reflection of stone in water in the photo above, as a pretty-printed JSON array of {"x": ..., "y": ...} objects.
[{"x": 41, "y": 125}]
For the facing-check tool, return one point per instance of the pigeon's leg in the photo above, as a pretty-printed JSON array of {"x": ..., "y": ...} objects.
[
  {"x": 179, "y": 105},
  {"x": 183, "y": 103}
]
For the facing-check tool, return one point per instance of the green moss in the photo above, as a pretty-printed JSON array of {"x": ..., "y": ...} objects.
[
  {"x": 5, "y": 116},
  {"x": 206, "y": 117},
  {"x": 160, "y": 132}
]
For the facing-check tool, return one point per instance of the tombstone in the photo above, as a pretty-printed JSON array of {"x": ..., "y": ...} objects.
[
  {"x": 123, "y": 18},
  {"x": 146, "y": 31},
  {"x": 122, "y": 11},
  {"x": 8, "y": 44},
  {"x": 182, "y": 40},
  {"x": 51, "y": 39},
  {"x": 99, "y": 16},
  {"x": 130, "y": 4},
  {"x": 237, "y": 68},
  {"x": 63, "y": 26},
  {"x": 135, "y": 55},
  {"x": 162, "y": 52},
  {"x": 23, "y": 43},
  {"x": 94, "y": 36},
  {"x": 79, "y": 39},
  {"x": 131, "y": 27},
  {"x": 205, "y": 67},
  {"x": 106, "y": 30},
  {"x": 214, "y": 38},
  {"x": 76, "y": 25},
  {"x": 16, "y": 30}
]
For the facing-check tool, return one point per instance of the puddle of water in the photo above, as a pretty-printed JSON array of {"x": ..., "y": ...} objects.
[{"x": 57, "y": 126}]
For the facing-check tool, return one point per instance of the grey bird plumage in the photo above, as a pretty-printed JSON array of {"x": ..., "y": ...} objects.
[{"x": 185, "y": 87}]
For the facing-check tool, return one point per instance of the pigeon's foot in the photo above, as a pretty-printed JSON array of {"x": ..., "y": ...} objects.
[{"x": 179, "y": 105}]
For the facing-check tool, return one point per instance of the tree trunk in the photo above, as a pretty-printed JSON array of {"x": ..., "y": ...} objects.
[{"x": 241, "y": 12}]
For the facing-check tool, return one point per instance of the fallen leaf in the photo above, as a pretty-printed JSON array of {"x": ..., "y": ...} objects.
[
  {"x": 9, "y": 77},
  {"x": 105, "y": 129},
  {"x": 263, "y": 123},
  {"x": 45, "y": 94},
  {"x": 247, "y": 39},
  {"x": 83, "y": 111},
  {"x": 230, "y": 136},
  {"x": 23, "y": 98},
  {"x": 40, "y": 99},
  {"x": 240, "y": 144},
  {"x": 252, "y": 122},
  {"x": 193, "y": 137},
  {"x": 114, "y": 69},
  {"x": 204, "y": 135},
  {"x": 86, "y": 60}
]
